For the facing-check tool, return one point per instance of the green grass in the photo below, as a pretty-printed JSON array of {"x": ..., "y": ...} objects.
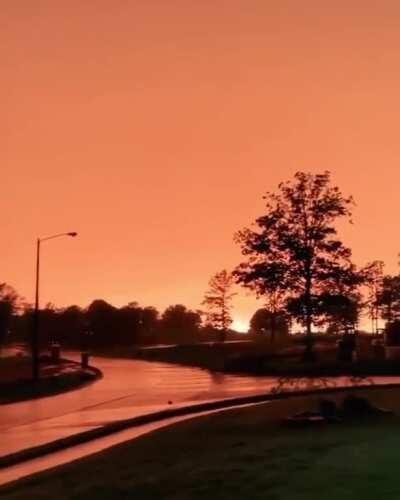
[{"x": 235, "y": 455}]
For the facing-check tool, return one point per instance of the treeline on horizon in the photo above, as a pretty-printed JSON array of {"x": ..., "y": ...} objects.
[
  {"x": 293, "y": 261},
  {"x": 102, "y": 325}
]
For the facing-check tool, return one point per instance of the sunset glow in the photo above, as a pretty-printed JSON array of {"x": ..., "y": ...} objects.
[{"x": 240, "y": 325}]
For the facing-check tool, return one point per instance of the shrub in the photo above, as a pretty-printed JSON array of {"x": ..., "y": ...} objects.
[{"x": 392, "y": 333}]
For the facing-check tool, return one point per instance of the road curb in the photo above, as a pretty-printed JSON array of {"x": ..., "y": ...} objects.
[{"x": 113, "y": 427}]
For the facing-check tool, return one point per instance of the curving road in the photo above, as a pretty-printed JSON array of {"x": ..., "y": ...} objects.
[{"x": 134, "y": 387}]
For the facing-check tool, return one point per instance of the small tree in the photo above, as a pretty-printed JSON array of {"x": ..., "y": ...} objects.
[
  {"x": 180, "y": 325},
  {"x": 9, "y": 304},
  {"x": 294, "y": 253},
  {"x": 389, "y": 298},
  {"x": 100, "y": 317},
  {"x": 218, "y": 301},
  {"x": 269, "y": 323},
  {"x": 373, "y": 277},
  {"x": 340, "y": 312}
]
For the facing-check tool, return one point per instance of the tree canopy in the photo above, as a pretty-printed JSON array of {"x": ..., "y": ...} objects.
[
  {"x": 266, "y": 322},
  {"x": 10, "y": 302},
  {"x": 294, "y": 256}
]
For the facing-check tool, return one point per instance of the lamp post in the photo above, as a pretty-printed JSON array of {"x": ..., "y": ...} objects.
[{"x": 35, "y": 333}]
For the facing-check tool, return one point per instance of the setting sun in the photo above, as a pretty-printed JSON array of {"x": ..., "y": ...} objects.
[{"x": 240, "y": 325}]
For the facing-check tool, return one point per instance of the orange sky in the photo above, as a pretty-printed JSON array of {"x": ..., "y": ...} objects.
[{"x": 153, "y": 127}]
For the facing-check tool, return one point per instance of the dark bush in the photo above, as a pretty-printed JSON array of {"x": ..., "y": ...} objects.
[{"x": 392, "y": 333}]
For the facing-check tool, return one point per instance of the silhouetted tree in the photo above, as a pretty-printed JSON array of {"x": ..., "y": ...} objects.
[
  {"x": 49, "y": 324},
  {"x": 71, "y": 326},
  {"x": 10, "y": 301},
  {"x": 101, "y": 325},
  {"x": 179, "y": 324},
  {"x": 218, "y": 301},
  {"x": 339, "y": 303},
  {"x": 128, "y": 324},
  {"x": 295, "y": 251},
  {"x": 373, "y": 273},
  {"x": 101, "y": 320},
  {"x": 272, "y": 324},
  {"x": 339, "y": 312},
  {"x": 389, "y": 298},
  {"x": 149, "y": 326}
]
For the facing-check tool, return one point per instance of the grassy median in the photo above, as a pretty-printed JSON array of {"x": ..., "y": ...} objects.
[
  {"x": 239, "y": 454},
  {"x": 16, "y": 380}
]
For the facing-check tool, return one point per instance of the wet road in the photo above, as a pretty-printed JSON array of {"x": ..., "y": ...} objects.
[{"x": 134, "y": 387}]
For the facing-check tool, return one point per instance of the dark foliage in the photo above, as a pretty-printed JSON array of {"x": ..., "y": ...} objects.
[
  {"x": 392, "y": 333},
  {"x": 179, "y": 324},
  {"x": 272, "y": 324},
  {"x": 9, "y": 304},
  {"x": 294, "y": 258}
]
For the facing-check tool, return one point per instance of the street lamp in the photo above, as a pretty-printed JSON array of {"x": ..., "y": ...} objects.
[{"x": 35, "y": 333}]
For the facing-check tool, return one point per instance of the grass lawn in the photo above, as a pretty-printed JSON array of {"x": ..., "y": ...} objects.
[
  {"x": 16, "y": 382},
  {"x": 19, "y": 368},
  {"x": 13, "y": 368},
  {"x": 213, "y": 356},
  {"x": 234, "y": 455}
]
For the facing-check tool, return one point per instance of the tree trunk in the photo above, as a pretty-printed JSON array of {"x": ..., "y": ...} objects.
[
  {"x": 273, "y": 328},
  {"x": 222, "y": 335},
  {"x": 223, "y": 331},
  {"x": 309, "y": 354}
]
